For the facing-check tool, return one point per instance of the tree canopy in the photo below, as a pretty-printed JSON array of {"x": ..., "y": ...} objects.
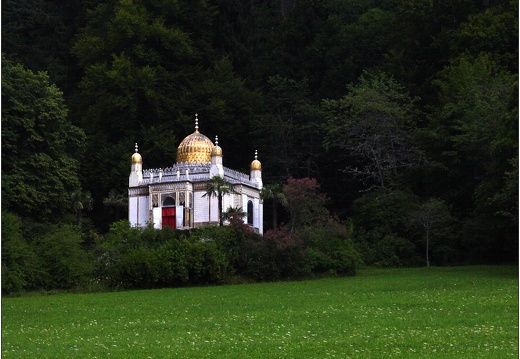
[{"x": 386, "y": 104}]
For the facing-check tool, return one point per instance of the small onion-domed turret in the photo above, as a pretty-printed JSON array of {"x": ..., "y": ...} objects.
[
  {"x": 217, "y": 150},
  {"x": 216, "y": 161},
  {"x": 136, "y": 157},
  {"x": 256, "y": 171},
  {"x": 256, "y": 165},
  {"x": 136, "y": 169}
]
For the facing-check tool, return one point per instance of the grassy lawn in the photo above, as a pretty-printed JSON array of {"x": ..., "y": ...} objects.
[{"x": 459, "y": 312}]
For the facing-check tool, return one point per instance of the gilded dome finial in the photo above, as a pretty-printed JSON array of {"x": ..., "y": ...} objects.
[
  {"x": 136, "y": 157},
  {"x": 217, "y": 151},
  {"x": 256, "y": 165},
  {"x": 196, "y": 122}
]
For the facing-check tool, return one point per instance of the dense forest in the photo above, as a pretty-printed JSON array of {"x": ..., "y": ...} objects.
[{"x": 404, "y": 113}]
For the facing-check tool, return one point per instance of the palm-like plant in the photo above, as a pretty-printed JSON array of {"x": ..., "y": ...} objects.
[
  {"x": 233, "y": 213},
  {"x": 274, "y": 192},
  {"x": 116, "y": 200},
  {"x": 81, "y": 201},
  {"x": 218, "y": 187}
]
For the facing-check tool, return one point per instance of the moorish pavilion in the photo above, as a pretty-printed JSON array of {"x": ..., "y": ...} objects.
[{"x": 175, "y": 196}]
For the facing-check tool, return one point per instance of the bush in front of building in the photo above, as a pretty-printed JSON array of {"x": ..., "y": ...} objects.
[{"x": 151, "y": 258}]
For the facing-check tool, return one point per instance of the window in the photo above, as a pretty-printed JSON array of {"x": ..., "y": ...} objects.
[
  {"x": 168, "y": 202},
  {"x": 250, "y": 212}
]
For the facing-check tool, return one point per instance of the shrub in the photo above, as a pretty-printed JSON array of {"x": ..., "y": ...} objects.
[
  {"x": 206, "y": 264},
  {"x": 278, "y": 254},
  {"x": 138, "y": 268},
  {"x": 63, "y": 261},
  {"x": 386, "y": 250},
  {"x": 330, "y": 249},
  {"x": 18, "y": 265},
  {"x": 172, "y": 260}
]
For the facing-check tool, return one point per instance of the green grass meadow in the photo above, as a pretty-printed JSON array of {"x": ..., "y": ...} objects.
[{"x": 455, "y": 312}]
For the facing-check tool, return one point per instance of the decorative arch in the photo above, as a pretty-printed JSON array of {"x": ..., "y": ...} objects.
[{"x": 168, "y": 202}]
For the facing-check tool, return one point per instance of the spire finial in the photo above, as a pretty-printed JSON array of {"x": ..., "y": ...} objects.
[
  {"x": 216, "y": 140},
  {"x": 256, "y": 154},
  {"x": 196, "y": 122},
  {"x": 136, "y": 147}
]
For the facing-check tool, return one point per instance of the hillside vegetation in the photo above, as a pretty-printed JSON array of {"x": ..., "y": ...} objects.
[{"x": 404, "y": 113}]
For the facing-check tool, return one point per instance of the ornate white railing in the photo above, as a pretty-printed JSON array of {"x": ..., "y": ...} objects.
[{"x": 194, "y": 172}]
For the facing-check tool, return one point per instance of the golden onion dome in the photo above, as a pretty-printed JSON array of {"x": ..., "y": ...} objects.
[
  {"x": 217, "y": 150},
  {"x": 256, "y": 165},
  {"x": 136, "y": 157},
  {"x": 195, "y": 147}
]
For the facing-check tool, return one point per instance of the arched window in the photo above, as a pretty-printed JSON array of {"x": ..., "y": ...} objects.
[
  {"x": 250, "y": 212},
  {"x": 168, "y": 202}
]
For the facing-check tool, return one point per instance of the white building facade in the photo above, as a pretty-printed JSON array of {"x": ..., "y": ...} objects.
[{"x": 176, "y": 196}]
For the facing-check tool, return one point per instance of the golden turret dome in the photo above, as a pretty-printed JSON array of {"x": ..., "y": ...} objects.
[
  {"x": 136, "y": 157},
  {"x": 217, "y": 150},
  {"x": 195, "y": 147},
  {"x": 256, "y": 165}
]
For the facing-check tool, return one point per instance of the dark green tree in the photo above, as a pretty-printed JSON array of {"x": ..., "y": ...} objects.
[
  {"x": 40, "y": 147},
  {"x": 305, "y": 203},
  {"x": 18, "y": 260},
  {"x": 381, "y": 228},
  {"x": 372, "y": 129},
  {"x": 473, "y": 144},
  {"x": 39, "y": 34},
  {"x": 292, "y": 140},
  {"x": 275, "y": 193},
  {"x": 63, "y": 261},
  {"x": 493, "y": 30}
]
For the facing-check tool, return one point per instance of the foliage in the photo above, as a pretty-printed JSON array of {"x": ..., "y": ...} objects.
[
  {"x": 381, "y": 228},
  {"x": 435, "y": 219},
  {"x": 63, "y": 262},
  {"x": 279, "y": 254},
  {"x": 305, "y": 204},
  {"x": 477, "y": 140},
  {"x": 39, "y": 145},
  {"x": 118, "y": 201},
  {"x": 219, "y": 187},
  {"x": 81, "y": 201},
  {"x": 289, "y": 128},
  {"x": 270, "y": 76},
  {"x": 275, "y": 193},
  {"x": 234, "y": 214},
  {"x": 330, "y": 249},
  {"x": 18, "y": 265},
  {"x": 373, "y": 124}
]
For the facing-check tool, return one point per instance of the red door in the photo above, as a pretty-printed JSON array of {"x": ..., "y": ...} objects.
[{"x": 168, "y": 217}]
